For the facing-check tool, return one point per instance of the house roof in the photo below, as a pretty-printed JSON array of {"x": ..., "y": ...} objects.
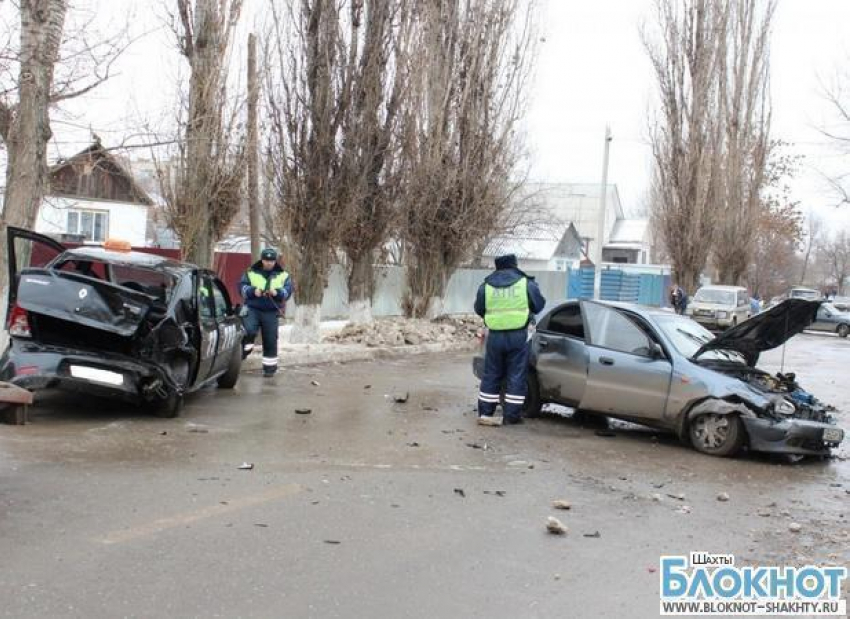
[
  {"x": 97, "y": 151},
  {"x": 629, "y": 231},
  {"x": 537, "y": 241}
]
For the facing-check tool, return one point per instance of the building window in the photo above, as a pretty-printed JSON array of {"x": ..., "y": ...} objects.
[{"x": 92, "y": 225}]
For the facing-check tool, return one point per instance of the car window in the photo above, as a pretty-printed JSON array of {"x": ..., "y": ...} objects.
[
  {"x": 713, "y": 295},
  {"x": 567, "y": 321},
  {"x": 612, "y": 329},
  {"x": 89, "y": 268},
  {"x": 205, "y": 297},
  {"x": 221, "y": 303},
  {"x": 150, "y": 281},
  {"x": 742, "y": 299}
]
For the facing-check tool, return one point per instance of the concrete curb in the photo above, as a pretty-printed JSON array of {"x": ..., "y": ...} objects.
[{"x": 316, "y": 354}]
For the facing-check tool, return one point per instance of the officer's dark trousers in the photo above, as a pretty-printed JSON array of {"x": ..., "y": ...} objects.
[
  {"x": 267, "y": 323},
  {"x": 505, "y": 362}
]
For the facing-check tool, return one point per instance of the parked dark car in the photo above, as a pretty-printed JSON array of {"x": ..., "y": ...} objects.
[
  {"x": 655, "y": 368},
  {"x": 116, "y": 323},
  {"x": 831, "y": 320}
]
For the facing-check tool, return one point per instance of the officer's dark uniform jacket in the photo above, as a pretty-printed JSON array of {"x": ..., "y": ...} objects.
[
  {"x": 276, "y": 279},
  {"x": 506, "y": 300}
]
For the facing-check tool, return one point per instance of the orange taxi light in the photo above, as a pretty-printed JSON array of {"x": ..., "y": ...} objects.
[{"x": 117, "y": 245}]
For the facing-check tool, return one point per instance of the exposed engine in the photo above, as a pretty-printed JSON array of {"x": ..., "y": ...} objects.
[{"x": 806, "y": 405}]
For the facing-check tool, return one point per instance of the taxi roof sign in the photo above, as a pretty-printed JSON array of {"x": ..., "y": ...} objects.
[{"x": 117, "y": 245}]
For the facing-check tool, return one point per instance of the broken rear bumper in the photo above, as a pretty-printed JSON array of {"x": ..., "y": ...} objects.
[
  {"x": 36, "y": 366},
  {"x": 792, "y": 436}
]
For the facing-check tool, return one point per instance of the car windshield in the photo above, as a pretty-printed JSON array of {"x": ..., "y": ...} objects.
[
  {"x": 688, "y": 337},
  {"x": 801, "y": 293},
  {"x": 712, "y": 295}
]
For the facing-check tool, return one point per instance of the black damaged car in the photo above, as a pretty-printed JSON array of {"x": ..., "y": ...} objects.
[{"x": 112, "y": 322}]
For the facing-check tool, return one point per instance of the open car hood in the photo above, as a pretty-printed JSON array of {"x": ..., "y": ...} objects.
[{"x": 765, "y": 331}]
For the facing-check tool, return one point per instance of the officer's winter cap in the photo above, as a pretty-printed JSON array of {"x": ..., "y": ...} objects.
[
  {"x": 268, "y": 254},
  {"x": 507, "y": 261}
]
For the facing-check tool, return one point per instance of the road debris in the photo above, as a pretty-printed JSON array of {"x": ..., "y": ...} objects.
[
  {"x": 496, "y": 492},
  {"x": 163, "y": 433},
  {"x": 315, "y": 383},
  {"x": 413, "y": 444},
  {"x": 518, "y": 463},
  {"x": 657, "y": 497},
  {"x": 595, "y": 534},
  {"x": 401, "y": 398},
  {"x": 795, "y": 527},
  {"x": 555, "y": 526},
  {"x": 678, "y": 496},
  {"x": 367, "y": 386},
  {"x": 303, "y": 411},
  {"x": 261, "y": 524},
  {"x": 460, "y": 492},
  {"x": 332, "y": 541},
  {"x": 684, "y": 509},
  {"x": 723, "y": 497},
  {"x": 246, "y": 466},
  {"x": 478, "y": 446},
  {"x": 561, "y": 504}
]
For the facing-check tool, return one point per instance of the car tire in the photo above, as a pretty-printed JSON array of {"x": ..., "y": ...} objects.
[
  {"x": 169, "y": 407},
  {"x": 717, "y": 435},
  {"x": 229, "y": 379},
  {"x": 533, "y": 403},
  {"x": 843, "y": 330}
]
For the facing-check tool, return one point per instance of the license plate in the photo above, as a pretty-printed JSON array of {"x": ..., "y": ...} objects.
[
  {"x": 97, "y": 375},
  {"x": 833, "y": 435}
]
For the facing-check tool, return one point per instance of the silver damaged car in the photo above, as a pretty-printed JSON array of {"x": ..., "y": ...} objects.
[{"x": 658, "y": 369}]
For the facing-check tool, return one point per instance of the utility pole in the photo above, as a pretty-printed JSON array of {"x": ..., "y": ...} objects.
[
  {"x": 253, "y": 179},
  {"x": 600, "y": 231}
]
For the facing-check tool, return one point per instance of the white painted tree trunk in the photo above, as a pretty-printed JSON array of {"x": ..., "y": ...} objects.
[
  {"x": 437, "y": 307},
  {"x": 360, "y": 312},
  {"x": 305, "y": 329}
]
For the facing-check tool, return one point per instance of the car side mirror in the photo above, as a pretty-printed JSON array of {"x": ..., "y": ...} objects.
[{"x": 655, "y": 351}]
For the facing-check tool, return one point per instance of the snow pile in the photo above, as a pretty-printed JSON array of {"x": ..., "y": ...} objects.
[{"x": 409, "y": 331}]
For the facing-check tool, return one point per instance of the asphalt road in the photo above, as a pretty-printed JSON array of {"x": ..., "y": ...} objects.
[{"x": 371, "y": 508}]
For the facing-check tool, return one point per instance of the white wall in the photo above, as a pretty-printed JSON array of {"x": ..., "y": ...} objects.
[{"x": 127, "y": 222}]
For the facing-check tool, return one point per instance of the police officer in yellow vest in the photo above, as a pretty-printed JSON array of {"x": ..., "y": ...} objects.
[
  {"x": 265, "y": 288},
  {"x": 506, "y": 300}
]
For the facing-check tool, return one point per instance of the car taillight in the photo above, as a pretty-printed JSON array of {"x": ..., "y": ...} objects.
[{"x": 19, "y": 324}]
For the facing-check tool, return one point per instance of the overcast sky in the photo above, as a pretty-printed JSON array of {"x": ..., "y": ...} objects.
[{"x": 591, "y": 71}]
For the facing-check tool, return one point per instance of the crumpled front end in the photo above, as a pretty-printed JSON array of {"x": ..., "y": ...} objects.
[{"x": 794, "y": 421}]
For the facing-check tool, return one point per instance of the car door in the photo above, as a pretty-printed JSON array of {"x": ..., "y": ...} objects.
[
  {"x": 229, "y": 334},
  {"x": 561, "y": 355},
  {"x": 26, "y": 249},
  {"x": 207, "y": 325},
  {"x": 625, "y": 378},
  {"x": 823, "y": 320}
]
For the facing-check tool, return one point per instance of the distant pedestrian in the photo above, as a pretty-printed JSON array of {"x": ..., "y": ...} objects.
[
  {"x": 265, "y": 287},
  {"x": 755, "y": 305},
  {"x": 678, "y": 299},
  {"x": 507, "y": 300}
]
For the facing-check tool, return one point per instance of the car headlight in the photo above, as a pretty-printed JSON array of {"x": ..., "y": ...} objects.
[
  {"x": 723, "y": 314},
  {"x": 784, "y": 407}
]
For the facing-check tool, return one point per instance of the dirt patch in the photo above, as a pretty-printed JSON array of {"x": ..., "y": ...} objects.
[{"x": 409, "y": 332}]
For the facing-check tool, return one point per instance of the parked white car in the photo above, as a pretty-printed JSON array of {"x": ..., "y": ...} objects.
[{"x": 720, "y": 307}]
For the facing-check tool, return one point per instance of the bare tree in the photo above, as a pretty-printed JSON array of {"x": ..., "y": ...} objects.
[
  {"x": 46, "y": 67},
  {"x": 308, "y": 93},
  {"x": 745, "y": 111},
  {"x": 837, "y": 95},
  {"x": 813, "y": 238},
  {"x": 378, "y": 60},
  {"x": 460, "y": 135},
  {"x": 778, "y": 232},
  {"x": 685, "y": 51},
  {"x": 204, "y": 189},
  {"x": 836, "y": 253}
]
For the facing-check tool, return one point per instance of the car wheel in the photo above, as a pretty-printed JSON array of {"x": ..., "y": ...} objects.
[
  {"x": 169, "y": 407},
  {"x": 717, "y": 435},
  {"x": 229, "y": 378},
  {"x": 843, "y": 330},
  {"x": 533, "y": 403}
]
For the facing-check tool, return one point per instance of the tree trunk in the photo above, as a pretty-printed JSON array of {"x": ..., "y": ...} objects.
[
  {"x": 310, "y": 283},
  {"x": 28, "y": 131},
  {"x": 360, "y": 288},
  {"x": 426, "y": 286}
]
